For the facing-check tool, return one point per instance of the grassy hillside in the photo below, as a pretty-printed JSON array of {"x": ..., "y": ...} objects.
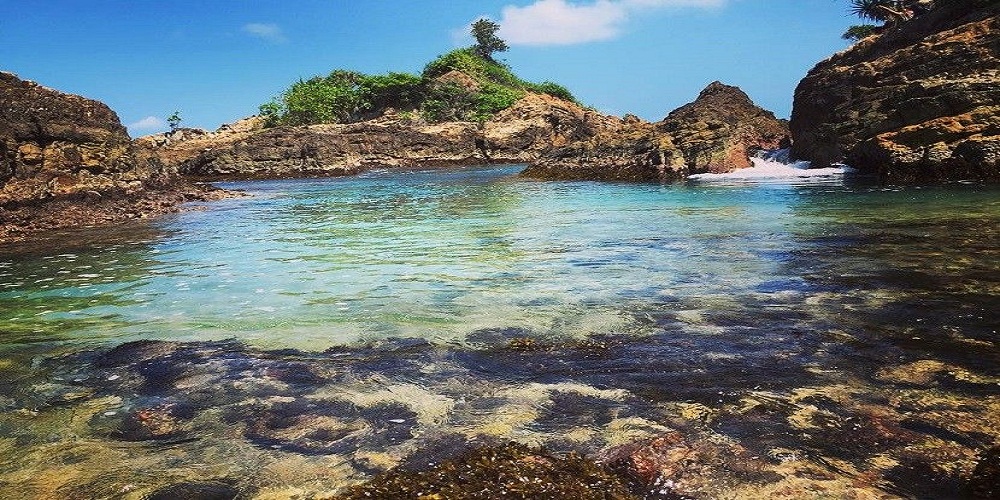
[{"x": 459, "y": 85}]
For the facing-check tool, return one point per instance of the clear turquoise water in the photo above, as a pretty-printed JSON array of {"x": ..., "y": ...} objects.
[
  {"x": 693, "y": 306},
  {"x": 441, "y": 254}
]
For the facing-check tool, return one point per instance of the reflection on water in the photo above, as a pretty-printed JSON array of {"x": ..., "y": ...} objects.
[{"x": 745, "y": 340}]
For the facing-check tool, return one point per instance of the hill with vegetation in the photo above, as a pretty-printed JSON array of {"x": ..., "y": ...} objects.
[
  {"x": 466, "y": 84},
  {"x": 464, "y": 108}
]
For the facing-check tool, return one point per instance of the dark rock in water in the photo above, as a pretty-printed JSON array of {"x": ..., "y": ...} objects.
[
  {"x": 509, "y": 471},
  {"x": 316, "y": 427},
  {"x": 491, "y": 337},
  {"x": 307, "y": 427},
  {"x": 295, "y": 373},
  {"x": 195, "y": 491},
  {"x": 985, "y": 481},
  {"x": 136, "y": 351},
  {"x": 917, "y": 476},
  {"x": 159, "y": 422},
  {"x": 918, "y": 103},
  {"x": 718, "y": 132}
]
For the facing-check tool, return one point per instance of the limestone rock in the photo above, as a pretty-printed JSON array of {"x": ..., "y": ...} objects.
[
  {"x": 722, "y": 129},
  {"x": 718, "y": 132},
  {"x": 327, "y": 150},
  {"x": 67, "y": 161},
  {"x": 538, "y": 123},
  {"x": 56, "y": 145},
  {"x": 522, "y": 133},
  {"x": 918, "y": 103},
  {"x": 633, "y": 151}
]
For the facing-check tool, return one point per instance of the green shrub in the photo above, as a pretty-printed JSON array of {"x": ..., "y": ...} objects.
[
  {"x": 859, "y": 31},
  {"x": 468, "y": 62},
  {"x": 347, "y": 96},
  {"x": 447, "y": 102},
  {"x": 393, "y": 90},
  {"x": 492, "y": 99},
  {"x": 552, "y": 89}
]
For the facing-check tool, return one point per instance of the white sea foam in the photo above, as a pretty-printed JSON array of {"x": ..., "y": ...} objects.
[{"x": 775, "y": 165}]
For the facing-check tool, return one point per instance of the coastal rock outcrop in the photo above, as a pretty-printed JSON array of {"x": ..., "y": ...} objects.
[
  {"x": 522, "y": 133},
  {"x": 55, "y": 145},
  {"x": 324, "y": 150},
  {"x": 718, "y": 132},
  {"x": 918, "y": 103},
  {"x": 539, "y": 122},
  {"x": 67, "y": 161}
]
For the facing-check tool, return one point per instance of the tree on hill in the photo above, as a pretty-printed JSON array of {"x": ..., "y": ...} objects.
[
  {"x": 479, "y": 89},
  {"x": 174, "y": 120},
  {"x": 885, "y": 12},
  {"x": 859, "y": 31},
  {"x": 487, "y": 41}
]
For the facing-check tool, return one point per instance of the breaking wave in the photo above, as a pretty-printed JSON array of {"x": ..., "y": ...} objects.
[{"x": 776, "y": 165}]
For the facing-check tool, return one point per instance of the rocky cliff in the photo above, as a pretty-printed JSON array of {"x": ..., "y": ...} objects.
[
  {"x": 718, "y": 132},
  {"x": 919, "y": 102},
  {"x": 55, "y": 145},
  {"x": 521, "y": 133},
  {"x": 67, "y": 161}
]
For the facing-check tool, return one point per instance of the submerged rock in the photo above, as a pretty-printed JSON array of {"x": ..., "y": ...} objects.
[
  {"x": 985, "y": 482},
  {"x": 508, "y": 471},
  {"x": 207, "y": 490},
  {"x": 166, "y": 421},
  {"x": 718, "y": 132},
  {"x": 918, "y": 103}
]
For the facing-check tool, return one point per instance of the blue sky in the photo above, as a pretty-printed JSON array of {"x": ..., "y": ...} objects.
[{"x": 215, "y": 61}]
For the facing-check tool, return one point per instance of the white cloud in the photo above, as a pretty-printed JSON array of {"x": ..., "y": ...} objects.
[
  {"x": 562, "y": 22},
  {"x": 267, "y": 32},
  {"x": 148, "y": 123}
]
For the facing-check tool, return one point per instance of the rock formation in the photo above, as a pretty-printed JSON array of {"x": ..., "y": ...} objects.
[
  {"x": 55, "y": 145},
  {"x": 718, "y": 132},
  {"x": 521, "y": 133},
  {"x": 66, "y": 161},
  {"x": 919, "y": 102},
  {"x": 722, "y": 129},
  {"x": 537, "y": 123}
]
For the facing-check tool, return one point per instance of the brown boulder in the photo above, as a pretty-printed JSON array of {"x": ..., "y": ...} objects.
[
  {"x": 920, "y": 102},
  {"x": 539, "y": 122},
  {"x": 633, "y": 151},
  {"x": 56, "y": 145},
  {"x": 722, "y": 129},
  {"x": 718, "y": 132}
]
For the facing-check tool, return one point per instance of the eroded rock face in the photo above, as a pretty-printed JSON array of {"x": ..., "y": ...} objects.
[
  {"x": 56, "y": 145},
  {"x": 335, "y": 149},
  {"x": 521, "y": 133},
  {"x": 919, "y": 103},
  {"x": 67, "y": 161},
  {"x": 538, "y": 123},
  {"x": 718, "y": 132},
  {"x": 722, "y": 129}
]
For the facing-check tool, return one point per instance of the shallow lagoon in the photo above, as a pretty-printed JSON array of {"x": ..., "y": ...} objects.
[{"x": 790, "y": 337}]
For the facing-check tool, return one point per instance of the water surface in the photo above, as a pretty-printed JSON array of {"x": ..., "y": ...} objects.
[{"x": 794, "y": 336}]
